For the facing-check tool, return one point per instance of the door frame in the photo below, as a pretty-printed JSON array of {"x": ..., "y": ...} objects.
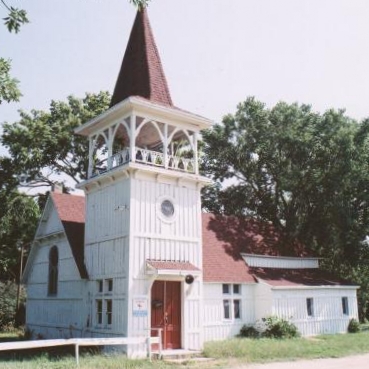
[{"x": 173, "y": 279}]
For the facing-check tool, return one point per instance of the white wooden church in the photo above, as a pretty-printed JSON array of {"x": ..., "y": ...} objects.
[{"x": 136, "y": 254}]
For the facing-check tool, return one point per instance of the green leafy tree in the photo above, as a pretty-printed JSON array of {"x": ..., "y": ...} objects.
[
  {"x": 15, "y": 19},
  {"x": 9, "y": 90},
  {"x": 306, "y": 173},
  {"x": 43, "y": 143},
  {"x": 18, "y": 219}
]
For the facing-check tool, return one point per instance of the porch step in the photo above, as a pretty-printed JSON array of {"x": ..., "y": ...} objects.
[{"x": 178, "y": 355}]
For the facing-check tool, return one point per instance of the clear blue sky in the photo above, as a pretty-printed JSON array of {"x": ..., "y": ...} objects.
[{"x": 215, "y": 52}]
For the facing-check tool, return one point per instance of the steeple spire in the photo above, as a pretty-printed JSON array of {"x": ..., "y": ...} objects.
[{"x": 141, "y": 73}]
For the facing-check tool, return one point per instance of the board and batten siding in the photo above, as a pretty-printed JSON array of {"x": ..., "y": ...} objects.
[
  {"x": 327, "y": 317},
  {"x": 265, "y": 261},
  {"x": 63, "y": 315},
  {"x": 107, "y": 253},
  {"x": 215, "y": 326},
  {"x": 153, "y": 237},
  {"x": 156, "y": 238},
  {"x": 263, "y": 300}
]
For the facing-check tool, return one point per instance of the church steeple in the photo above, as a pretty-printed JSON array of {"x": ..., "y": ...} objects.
[{"x": 141, "y": 73}]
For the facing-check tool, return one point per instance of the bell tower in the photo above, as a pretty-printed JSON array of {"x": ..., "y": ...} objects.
[{"x": 143, "y": 242}]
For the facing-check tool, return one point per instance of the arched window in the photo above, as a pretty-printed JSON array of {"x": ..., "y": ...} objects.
[{"x": 53, "y": 271}]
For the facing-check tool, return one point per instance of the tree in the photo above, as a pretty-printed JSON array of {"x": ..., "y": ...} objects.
[
  {"x": 43, "y": 143},
  {"x": 306, "y": 173},
  {"x": 9, "y": 90},
  {"x": 18, "y": 219}
]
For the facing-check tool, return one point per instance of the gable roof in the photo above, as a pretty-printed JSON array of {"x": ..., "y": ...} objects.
[
  {"x": 141, "y": 72},
  {"x": 71, "y": 211}
]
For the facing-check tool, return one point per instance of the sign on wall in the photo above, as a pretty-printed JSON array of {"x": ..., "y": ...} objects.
[{"x": 140, "y": 306}]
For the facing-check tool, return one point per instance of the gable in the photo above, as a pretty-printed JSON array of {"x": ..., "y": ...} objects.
[
  {"x": 63, "y": 216},
  {"x": 49, "y": 222}
]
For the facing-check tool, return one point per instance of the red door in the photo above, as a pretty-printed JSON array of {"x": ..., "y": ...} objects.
[{"x": 166, "y": 312}]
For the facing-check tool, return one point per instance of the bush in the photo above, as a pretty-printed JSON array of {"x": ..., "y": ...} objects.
[
  {"x": 276, "y": 327},
  {"x": 354, "y": 326},
  {"x": 249, "y": 331}
]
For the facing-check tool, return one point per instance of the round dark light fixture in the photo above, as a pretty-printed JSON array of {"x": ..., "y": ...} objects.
[
  {"x": 167, "y": 208},
  {"x": 189, "y": 279}
]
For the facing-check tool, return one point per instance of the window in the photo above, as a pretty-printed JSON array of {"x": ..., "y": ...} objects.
[
  {"x": 109, "y": 285},
  {"x": 345, "y": 307},
  {"x": 236, "y": 309},
  {"x": 231, "y": 302},
  {"x": 310, "y": 306},
  {"x": 227, "y": 313},
  {"x": 109, "y": 311},
  {"x": 99, "y": 312},
  {"x": 52, "y": 287},
  {"x": 225, "y": 288},
  {"x": 236, "y": 289},
  {"x": 100, "y": 286},
  {"x": 104, "y": 303}
]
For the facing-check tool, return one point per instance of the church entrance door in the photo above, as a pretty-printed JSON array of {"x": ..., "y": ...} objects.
[{"x": 166, "y": 312}]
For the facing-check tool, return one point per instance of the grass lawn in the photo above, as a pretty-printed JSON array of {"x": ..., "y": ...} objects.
[{"x": 226, "y": 354}]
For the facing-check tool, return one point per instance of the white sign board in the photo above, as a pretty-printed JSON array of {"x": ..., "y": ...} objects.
[{"x": 140, "y": 306}]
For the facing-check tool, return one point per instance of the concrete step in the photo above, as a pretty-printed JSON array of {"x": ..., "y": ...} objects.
[{"x": 171, "y": 355}]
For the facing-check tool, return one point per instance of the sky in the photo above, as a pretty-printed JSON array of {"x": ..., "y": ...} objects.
[{"x": 215, "y": 53}]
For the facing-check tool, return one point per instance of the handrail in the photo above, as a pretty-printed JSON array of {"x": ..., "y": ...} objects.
[
  {"x": 144, "y": 156},
  {"x": 77, "y": 342}
]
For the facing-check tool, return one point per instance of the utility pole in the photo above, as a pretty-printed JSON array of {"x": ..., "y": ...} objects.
[{"x": 20, "y": 274}]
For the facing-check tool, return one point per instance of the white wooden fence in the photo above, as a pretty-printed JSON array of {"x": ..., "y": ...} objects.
[{"x": 77, "y": 342}]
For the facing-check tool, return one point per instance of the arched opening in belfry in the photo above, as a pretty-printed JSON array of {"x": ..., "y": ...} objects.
[
  {"x": 100, "y": 154},
  {"x": 120, "y": 145},
  {"x": 149, "y": 148},
  {"x": 181, "y": 151}
]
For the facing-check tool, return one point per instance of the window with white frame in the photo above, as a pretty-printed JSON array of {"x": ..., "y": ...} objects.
[
  {"x": 231, "y": 301},
  {"x": 310, "y": 306},
  {"x": 104, "y": 303},
  {"x": 345, "y": 306}
]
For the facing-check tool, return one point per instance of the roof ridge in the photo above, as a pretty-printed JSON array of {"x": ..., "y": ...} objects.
[{"x": 141, "y": 72}]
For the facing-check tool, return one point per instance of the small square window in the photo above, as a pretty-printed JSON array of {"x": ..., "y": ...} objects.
[
  {"x": 310, "y": 306},
  {"x": 345, "y": 307},
  {"x": 226, "y": 307},
  {"x": 226, "y": 289},
  {"x": 236, "y": 289},
  {"x": 237, "y": 309}
]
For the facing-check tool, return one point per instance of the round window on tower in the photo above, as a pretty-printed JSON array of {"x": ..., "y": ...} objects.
[{"x": 166, "y": 209}]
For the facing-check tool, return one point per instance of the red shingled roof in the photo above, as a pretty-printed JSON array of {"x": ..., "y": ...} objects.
[
  {"x": 172, "y": 265},
  {"x": 226, "y": 237},
  {"x": 70, "y": 208},
  {"x": 141, "y": 73},
  {"x": 71, "y": 211}
]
